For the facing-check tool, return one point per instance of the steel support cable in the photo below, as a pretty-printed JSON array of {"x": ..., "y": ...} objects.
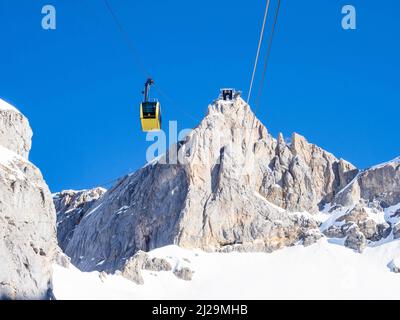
[
  {"x": 144, "y": 71},
  {"x": 172, "y": 103},
  {"x": 258, "y": 50},
  {"x": 266, "y": 60},
  {"x": 260, "y": 89},
  {"x": 138, "y": 61},
  {"x": 128, "y": 40}
]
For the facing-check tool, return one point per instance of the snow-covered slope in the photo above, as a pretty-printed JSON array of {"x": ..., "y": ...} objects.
[{"x": 321, "y": 271}]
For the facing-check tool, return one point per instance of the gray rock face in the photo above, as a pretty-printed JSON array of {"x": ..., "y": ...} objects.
[
  {"x": 302, "y": 176},
  {"x": 378, "y": 186},
  {"x": 71, "y": 206},
  {"x": 140, "y": 213},
  {"x": 305, "y": 177},
  {"x": 227, "y": 191},
  {"x": 15, "y": 132},
  {"x": 27, "y": 216}
]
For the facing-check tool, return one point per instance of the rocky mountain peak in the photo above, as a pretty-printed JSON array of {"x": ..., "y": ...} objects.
[
  {"x": 234, "y": 187},
  {"x": 281, "y": 139}
]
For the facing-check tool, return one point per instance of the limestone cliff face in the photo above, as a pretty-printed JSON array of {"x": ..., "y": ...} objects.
[
  {"x": 140, "y": 212},
  {"x": 70, "y": 206},
  {"x": 27, "y": 215},
  {"x": 303, "y": 176},
  {"x": 368, "y": 208},
  {"x": 227, "y": 186},
  {"x": 15, "y": 132},
  {"x": 378, "y": 186}
]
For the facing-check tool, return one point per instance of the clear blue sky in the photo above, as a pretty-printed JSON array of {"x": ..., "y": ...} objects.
[{"x": 80, "y": 87}]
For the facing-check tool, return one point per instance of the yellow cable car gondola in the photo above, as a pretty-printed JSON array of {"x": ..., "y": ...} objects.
[{"x": 150, "y": 111}]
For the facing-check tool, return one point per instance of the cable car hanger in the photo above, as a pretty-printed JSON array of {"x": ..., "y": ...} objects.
[{"x": 150, "y": 110}]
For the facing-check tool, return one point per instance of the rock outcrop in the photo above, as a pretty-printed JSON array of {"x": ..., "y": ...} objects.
[
  {"x": 355, "y": 238},
  {"x": 377, "y": 187},
  {"x": 132, "y": 269},
  {"x": 394, "y": 265},
  {"x": 371, "y": 202},
  {"x": 27, "y": 215},
  {"x": 226, "y": 187},
  {"x": 183, "y": 273},
  {"x": 15, "y": 132},
  {"x": 70, "y": 206},
  {"x": 367, "y": 225},
  {"x": 359, "y": 225}
]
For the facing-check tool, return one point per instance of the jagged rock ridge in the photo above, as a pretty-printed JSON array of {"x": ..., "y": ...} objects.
[
  {"x": 368, "y": 208},
  {"x": 377, "y": 186},
  {"x": 233, "y": 188}
]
